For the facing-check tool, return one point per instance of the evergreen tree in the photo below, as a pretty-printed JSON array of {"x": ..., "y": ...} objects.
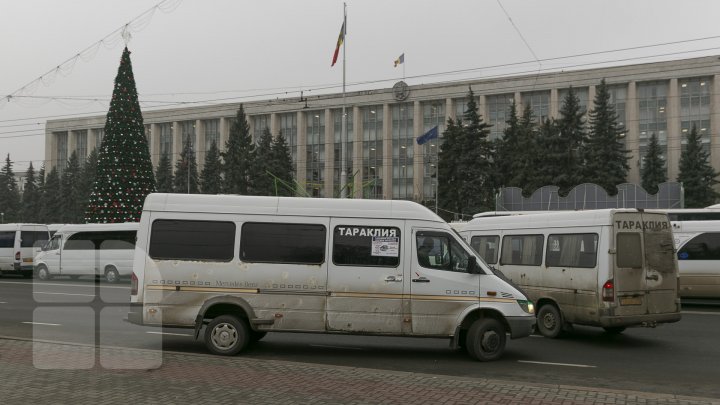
[
  {"x": 508, "y": 147},
  {"x": 72, "y": 211},
  {"x": 41, "y": 195},
  {"x": 124, "y": 172},
  {"x": 571, "y": 136},
  {"x": 653, "y": 171},
  {"x": 448, "y": 171},
  {"x": 52, "y": 199},
  {"x": 282, "y": 168},
  {"x": 606, "y": 159},
  {"x": 262, "y": 182},
  {"x": 211, "y": 176},
  {"x": 696, "y": 174},
  {"x": 164, "y": 175},
  {"x": 9, "y": 193},
  {"x": 186, "y": 175},
  {"x": 238, "y": 156},
  {"x": 549, "y": 152},
  {"x": 30, "y": 198},
  {"x": 517, "y": 154}
]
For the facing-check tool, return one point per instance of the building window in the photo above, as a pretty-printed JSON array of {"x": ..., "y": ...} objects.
[
  {"x": 99, "y": 136},
  {"x": 652, "y": 104},
  {"x": 372, "y": 152},
  {"x": 337, "y": 157},
  {"x": 260, "y": 124},
  {"x": 62, "y": 150},
  {"x": 498, "y": 113},
  {"x": 539, "y": 102},
  {"x": 81, "y": 140},
  {"x": 288, "y": 129},
  {"x": 403, "y": 140},
  {"x": 433, "y": 115},
  {"x": 282, "y": 243},
  {"x": 695, "y": 109},
  {"x": 192, "y": 240},
  {"x": 212, "y": 134},
  {"x": 187, "y": 130},
  {"x": 618, "y": 99},
  {"x": 581, "y": 93},
  {"x": 166, "y": 140},
  {"x": 315, "y": 154}
]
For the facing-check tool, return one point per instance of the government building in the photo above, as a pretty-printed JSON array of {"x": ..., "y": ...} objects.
[{"x": 383, "y": 159}]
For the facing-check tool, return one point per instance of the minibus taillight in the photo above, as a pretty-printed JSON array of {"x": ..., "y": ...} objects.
[
  {"x": 133, "y": 284},
  {"x": 608, "y": 291},
  {"x": 17, "y": 255}
]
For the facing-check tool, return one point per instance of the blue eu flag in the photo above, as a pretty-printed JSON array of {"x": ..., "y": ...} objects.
[{"x": 431, "y": 134}]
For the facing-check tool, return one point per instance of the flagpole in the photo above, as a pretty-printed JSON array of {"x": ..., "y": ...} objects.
[{"x": 343, "y": 135}]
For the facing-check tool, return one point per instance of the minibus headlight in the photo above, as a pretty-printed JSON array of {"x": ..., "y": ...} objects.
[{"x": 526, "y": 306}]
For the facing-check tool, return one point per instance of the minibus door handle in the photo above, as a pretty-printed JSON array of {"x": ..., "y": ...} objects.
[
  {"x": 653, "y": 277},
  {"x": 421, "y": 280}
]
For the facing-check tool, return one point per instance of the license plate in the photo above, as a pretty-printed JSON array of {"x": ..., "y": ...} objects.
[{"x": 630, "y": 300}]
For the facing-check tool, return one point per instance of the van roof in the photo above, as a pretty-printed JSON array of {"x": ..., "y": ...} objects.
[
  {"x": 333, "y": 207},
  {"x": 15, "y": 227},
  {"x": 551, "y": 219},
  {"x": 121, "y": 226}
]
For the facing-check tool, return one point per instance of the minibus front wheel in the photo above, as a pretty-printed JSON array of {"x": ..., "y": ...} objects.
[
  {"x": 227, "y": 335},
  {"x": 485, "y": 341},
  {"x": 43, "y": 273}
]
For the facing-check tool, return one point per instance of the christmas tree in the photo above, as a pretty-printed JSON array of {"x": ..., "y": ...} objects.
[{"x": 124, "y": 171}]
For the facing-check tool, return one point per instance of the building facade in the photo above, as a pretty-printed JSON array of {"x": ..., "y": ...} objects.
[{"x": 383, "y": 159}]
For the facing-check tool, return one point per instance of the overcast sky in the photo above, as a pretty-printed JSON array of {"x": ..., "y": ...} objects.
[{"x": 234, "y": 50}]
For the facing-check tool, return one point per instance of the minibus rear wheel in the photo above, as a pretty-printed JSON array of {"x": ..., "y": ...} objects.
[
  {"x": 485, "y": 341},
  {"x": 549, "y": 321},
  {"x": 112, "y": 275},
  {"x": 227, "y": 335}
]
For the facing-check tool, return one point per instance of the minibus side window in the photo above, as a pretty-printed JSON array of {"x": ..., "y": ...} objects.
[
  {"x": 53, "y": 244},
  {"x": 572, "y": 250},
  {"x": 7, "y": 239},
  {"x": 366, "y": 246},
  {"x": 282, "y": 243},
  {"x": 629, "y": 250},
  {"x": 524, "y": 250},
  {"x": 33, "y": 238},
  {"x": 705, "y": 246},
  {"x": 172, "y": 239},
  {"x": 487, "y": 247}
]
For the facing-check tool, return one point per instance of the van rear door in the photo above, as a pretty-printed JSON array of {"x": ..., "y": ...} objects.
[{"x": 645, "y": 278}]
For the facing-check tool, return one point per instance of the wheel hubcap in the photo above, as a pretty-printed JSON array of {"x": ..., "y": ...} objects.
[
  {"x": 490, "y": 341},
  {"x": 224, "y": 336},
  {"x": 549, "y": 321}
]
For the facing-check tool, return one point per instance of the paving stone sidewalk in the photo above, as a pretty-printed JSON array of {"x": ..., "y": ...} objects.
[{"x": 51, "y": 373}]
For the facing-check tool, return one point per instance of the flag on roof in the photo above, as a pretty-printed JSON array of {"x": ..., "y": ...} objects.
[
  {"x": 400, "y": 59},
  {"x": 340, "y": 40}
]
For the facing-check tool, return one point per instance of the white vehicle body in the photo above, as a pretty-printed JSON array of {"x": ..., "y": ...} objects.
[
  {"x": 698, "y": 246},
  {"x": 245, "y": 266},
  {"x": 104, "y": 250},
  {"x": 19, "y": 243},
  {"x": 611, "y": 268}
]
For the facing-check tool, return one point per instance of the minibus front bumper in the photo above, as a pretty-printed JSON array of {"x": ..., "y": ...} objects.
[{"x": 521, "y": 326}]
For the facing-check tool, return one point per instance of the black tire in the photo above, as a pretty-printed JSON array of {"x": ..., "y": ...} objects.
[
  {"x": 256, "y": 335},
  {"x": 27, "y": 275},
  {"x": 614, "y": 330},
  {"x": 485, "y": 341},
  {"x": 111, "y": 275},
  {"x": 43, "y": 273},
  {"x": 227, "y": 335},
  {"x": 549, "y": 321}
]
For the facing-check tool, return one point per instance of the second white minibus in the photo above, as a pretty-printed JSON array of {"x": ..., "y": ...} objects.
[
  {"x": 698, "y": 246},
  {"x": 19, "y": 243}
]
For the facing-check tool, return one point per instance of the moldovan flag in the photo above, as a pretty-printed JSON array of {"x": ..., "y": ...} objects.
[
  {"x": 400, "y": 60},
  {"x": 341, "y": 38}
]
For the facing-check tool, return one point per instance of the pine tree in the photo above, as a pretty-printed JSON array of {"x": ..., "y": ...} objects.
[
  {"x": 282, "y": 168},
  {"x": 549, "y": 152},
  {"x": 571, "y": 136},
  {"x": 508, "y": 148},
  {"x": 41, "y": 196},
  {"x": 605, "y": 156},
  {"x": 9, "y": 193},
  {"x": 124, "y": 172},
  {"x": 186, "y": 175},
  {"x": 30, "y": 197},
  {"x": 88, "y": 173},
  {"x": 653, "y": 172},
  {"x": 263, "y": 182},
  {"x": 52, "y": 199},
  {"x": 211, "y": 176},
  {"x": 73, "y": 209},
  {"x": 696, "y": 174},
  {"x": 238, "y": 156},
  {"x": 164, "y": 175},
  {"x": 448, "y": 171}
]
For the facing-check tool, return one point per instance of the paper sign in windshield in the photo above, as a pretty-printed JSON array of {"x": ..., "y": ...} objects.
[{"x": 387, "y": 247}]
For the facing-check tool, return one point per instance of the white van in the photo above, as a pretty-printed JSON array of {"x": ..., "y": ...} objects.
[
  {"x": 242, "y": 266},
  {"x": 698, "y": 246},
  {"x": 611, "y": 268},
  {"x": 18, "y": 245},
  {"x": 97, "y": 250}
]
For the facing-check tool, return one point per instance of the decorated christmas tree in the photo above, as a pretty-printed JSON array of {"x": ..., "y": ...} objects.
[{"x": 124, "y": 171}]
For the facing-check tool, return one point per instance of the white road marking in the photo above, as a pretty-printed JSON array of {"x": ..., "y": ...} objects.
[
  {"x": 3, "y": 302},
  {"x": 42, "y": 323},
  {"x": 168, "y": 333},
  {"x": 700, "y": 313},
  {"x": 337, "y": 347},
  {"x": 56, "y": 293},
  {"x": 557, "y": 364}
]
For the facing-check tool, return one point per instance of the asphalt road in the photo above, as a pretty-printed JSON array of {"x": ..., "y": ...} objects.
[{"x": 681, "y": 358}]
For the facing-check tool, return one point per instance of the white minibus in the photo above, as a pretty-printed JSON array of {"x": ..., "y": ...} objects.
[
  {"x": 96, "y": 250},
  {"x": 18, "y": 245},
  {"x": 611, "y": 268},
  {"x": 698, "y": 246},
  {"x": 242, "y": 266}
]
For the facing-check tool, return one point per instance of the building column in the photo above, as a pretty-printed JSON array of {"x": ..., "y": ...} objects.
[
  {"x": 554, "y": 103},
  {"x": 200, "y": 149},
  {"x": 518, "y": 101},
  {"x": 674, "y": 139},
  {"x": 50, "y": 151},
  {"x": 274, "y": 124},
  {"x": 91, "y": 140},
  {"x": 177, "y": 143},
  {"x": 591, "y": 99},
  {"x": 632, "y": 136},
  {"x": 358, "y": 166},
  {"x": 154, "y": 143},
  {"x": 224, "y": 129},
  {"x": 387, "y": 153},
  {"x": 329, "y": 154},
  {"x": 72, "y": 144},
  {"x": 301, "y": 169},
  {"x": 482, "y": 107},
  {"x": 418, "y": 157},
  {"x": 715, "y": 125}
]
